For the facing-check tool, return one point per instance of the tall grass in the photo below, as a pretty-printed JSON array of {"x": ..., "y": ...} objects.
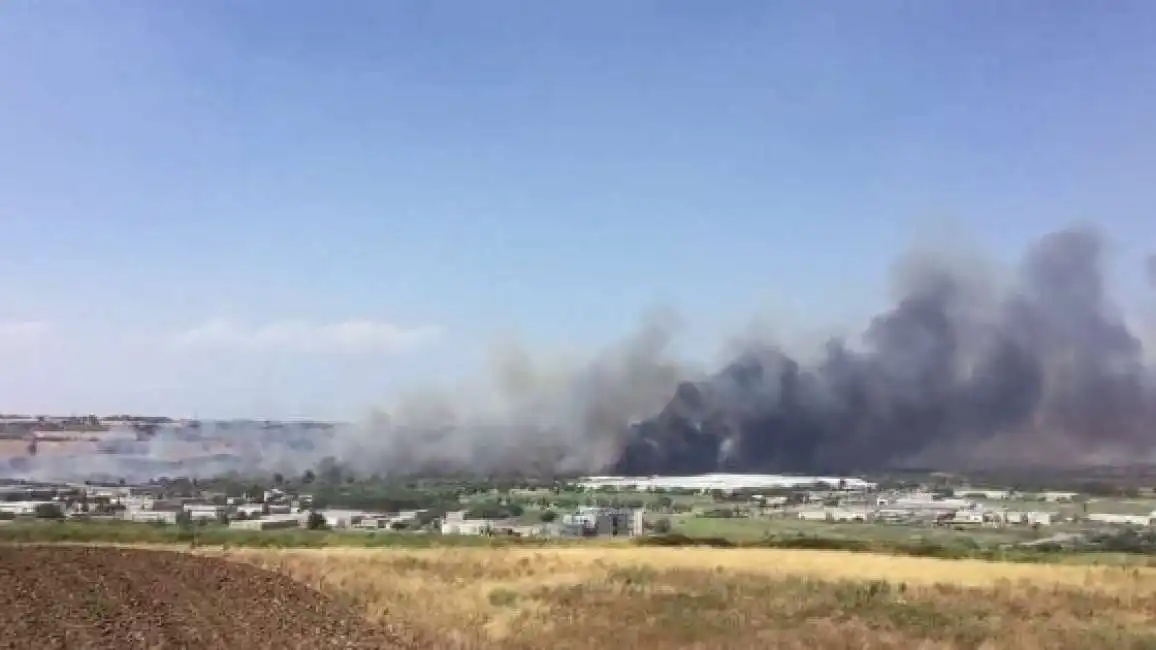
[{"x": 591, "y": 597}]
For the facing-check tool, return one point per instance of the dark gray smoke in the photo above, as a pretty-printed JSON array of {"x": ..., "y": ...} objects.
[
  {"x": 964, "y": 370},
  {"x": 1044, "y": 371}
]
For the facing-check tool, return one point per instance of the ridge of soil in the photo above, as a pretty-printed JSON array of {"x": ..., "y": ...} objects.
[{"x": 101, "y": 598}]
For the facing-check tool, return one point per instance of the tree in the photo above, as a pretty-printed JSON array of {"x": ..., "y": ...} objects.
[
  {"x": 48, "y": 511},
  {"x": 945, "y": 491},
  {"x": 548, "y": 516},
  {"x": 255, "y": 493},
  {"x": 316, "y": 521},
  {"x": 330, "y": 471}
]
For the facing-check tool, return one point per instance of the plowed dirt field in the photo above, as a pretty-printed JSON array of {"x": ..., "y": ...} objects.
[{"x": 78, "y": 598}]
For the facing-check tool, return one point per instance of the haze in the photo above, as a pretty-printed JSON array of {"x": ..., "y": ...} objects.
[{"x": 309, "y": 209}]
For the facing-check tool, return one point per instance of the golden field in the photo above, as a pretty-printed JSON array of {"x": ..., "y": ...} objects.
[{"x": 629, "y": 597}]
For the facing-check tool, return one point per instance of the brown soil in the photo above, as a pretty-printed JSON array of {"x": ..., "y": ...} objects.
[{"x": 78, "y": 598}]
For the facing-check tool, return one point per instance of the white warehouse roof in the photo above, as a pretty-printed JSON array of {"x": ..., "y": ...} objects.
[{"x": 721, "y": 481}]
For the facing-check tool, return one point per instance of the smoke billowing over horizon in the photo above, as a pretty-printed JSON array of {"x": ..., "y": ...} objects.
[{"x": 964, "y": 369}]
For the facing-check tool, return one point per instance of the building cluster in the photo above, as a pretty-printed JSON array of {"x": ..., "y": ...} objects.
[
  {"x": 977, "y": 508},
  {"x": 28, "y": 500},
  {"x": 145, "y": 504},
  {"x": 276, "y": 509},
  {"x": 585, "y": 522}
]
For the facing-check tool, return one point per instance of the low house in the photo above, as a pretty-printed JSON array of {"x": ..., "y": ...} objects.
[
  {"x": 970, "y": 517},
  {"x": 980, "y": 493},
  {"x": 270, "y": 523},
  {"x": 1120, "y": 520},
  {"x": 204, "y": 511},
  {"x": 773, "y": 501},
  {"x": 23, "y": 508},
  {"x": 1032, "y": 518},
  {"x": 847, "y": 515},
  {"x": 137, "y": 502},
  {"x": 251, "y": 510},
  {"x": 1041, "y": 518},
  {"x": 468, "y": 527},
  {"x": 342, "y": 518},
  {"x": 373, "y": 523},
  {"x": 151, "y": 516},
  {"x": 1059, "y": 497}
]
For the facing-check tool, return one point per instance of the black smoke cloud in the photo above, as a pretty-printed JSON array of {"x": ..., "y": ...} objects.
[
  {"x": 1044, "y": 371},
  {"x": 966, "y": 369}
]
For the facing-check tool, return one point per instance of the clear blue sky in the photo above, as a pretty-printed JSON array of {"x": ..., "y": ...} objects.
[{"x": 553, "y": 168}]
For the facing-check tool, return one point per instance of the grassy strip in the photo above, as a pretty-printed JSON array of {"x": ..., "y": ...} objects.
[
  {"x": 594, "y": 597},
  {"x": 923, "y": 548},
  {"x": 137, "y": 533}
]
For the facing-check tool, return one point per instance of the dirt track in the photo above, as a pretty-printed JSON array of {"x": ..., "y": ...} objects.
[{"x": 77, "y": 598}]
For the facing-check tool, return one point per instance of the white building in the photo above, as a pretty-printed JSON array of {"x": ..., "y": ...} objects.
[
  {"x": 149, "y": 516},
  {"x": 1120, "y": 520},
  {"x": 204, "y": 511},
  {"x": 1028, "y": 518},
  {"x": 847, "y": 515},
  {"x": 969, "y": 517},
  {"x": 251, "y": 510},
  {"x": 981, "y": 493},
  {"x": 467, "y": 527},
  {"x": 342, "y": 518},
  {"x": 637, "y": 522},
  {"x": 136, "y": 502},
  {"x": 813, "y": 515},
  {"x": 23, "y": 508},
  {"x": 270, "y": 523},
  {"x": 724, "y": 482}
]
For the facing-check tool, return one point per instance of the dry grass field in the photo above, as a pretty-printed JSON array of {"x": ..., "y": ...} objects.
[{"x": 587, "y": 598}]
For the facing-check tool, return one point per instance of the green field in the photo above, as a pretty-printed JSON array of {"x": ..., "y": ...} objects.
[
  {"x": 861, "y": 538},
  {"x": 754, "y": 529},
  {"x": 1115, "y": 506}
]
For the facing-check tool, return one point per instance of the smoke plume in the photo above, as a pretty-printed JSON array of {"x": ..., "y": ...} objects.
[{"x": 964, "y": 369}]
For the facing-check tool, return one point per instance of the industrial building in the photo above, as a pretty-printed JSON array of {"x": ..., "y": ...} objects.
[
  {"x": 606, "y": 522},
  {"x": 204, "y": 511},
  {"x": 270, "y": 523},
  {"x": 23, "y": 508},
  {"x": 151, "y": 516},
  {"x": 586, "y": 522},
  {"x": 1122, "y": 520},
  {"x": 724, "y": 482}
]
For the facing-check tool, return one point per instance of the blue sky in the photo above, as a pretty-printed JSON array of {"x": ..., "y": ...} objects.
[{"x": 300, "y": 183}]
